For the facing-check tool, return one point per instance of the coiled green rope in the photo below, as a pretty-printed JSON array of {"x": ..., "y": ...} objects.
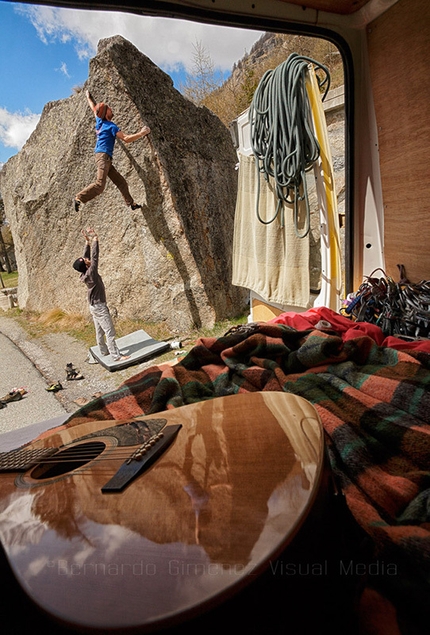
[{"x": 282, "y": 137}]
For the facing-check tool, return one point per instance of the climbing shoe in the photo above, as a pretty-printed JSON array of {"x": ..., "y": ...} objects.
[
  {"x": 91, "y": 359},
  {"x": 72, "y": 373},
  {"x": 135, "y": 206},
  {"x": 77, "y": 205},
  {"x": 54, "y": 387},
  {"x": 14, "y": 395}
]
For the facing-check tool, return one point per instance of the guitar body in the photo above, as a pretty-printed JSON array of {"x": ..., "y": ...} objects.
[{"x": 187, "y": 531}]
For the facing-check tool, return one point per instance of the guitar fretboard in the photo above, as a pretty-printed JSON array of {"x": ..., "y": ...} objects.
[{"x": 22, "y": 459}]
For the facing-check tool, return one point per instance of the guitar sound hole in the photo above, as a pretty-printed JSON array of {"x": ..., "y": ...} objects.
[{"x": 68, "y": 460}]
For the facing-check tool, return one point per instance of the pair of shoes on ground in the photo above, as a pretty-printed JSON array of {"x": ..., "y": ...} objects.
[
  {"x": 72, "y": 374},
  {"x": 54, "y": 387},
  {"x": 15, "y": 394}
]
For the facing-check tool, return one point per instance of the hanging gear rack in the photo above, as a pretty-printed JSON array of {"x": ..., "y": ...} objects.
[{"x": 399, "y": 308}]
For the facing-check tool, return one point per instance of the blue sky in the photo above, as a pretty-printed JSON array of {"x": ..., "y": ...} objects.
[{"x": 45, "y": 51}]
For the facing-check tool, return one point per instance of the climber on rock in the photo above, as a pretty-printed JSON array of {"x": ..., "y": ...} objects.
[{"x": 107, "y": 132}]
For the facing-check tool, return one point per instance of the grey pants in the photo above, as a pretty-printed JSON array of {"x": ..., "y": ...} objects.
[
  {"x": 105, "y": 330},
  {"x": 105, "y": 169}
]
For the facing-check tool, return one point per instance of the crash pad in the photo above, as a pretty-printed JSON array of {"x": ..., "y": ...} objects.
[{"x": 139, "y": 346}]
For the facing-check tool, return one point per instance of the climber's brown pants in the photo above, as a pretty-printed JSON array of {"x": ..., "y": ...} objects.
[{"x": 105, "y": 169}]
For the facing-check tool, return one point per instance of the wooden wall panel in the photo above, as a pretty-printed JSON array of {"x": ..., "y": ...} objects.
[{"x": 399, "y": 47}]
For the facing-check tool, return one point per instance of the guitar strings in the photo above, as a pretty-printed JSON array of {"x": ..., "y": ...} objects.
[
  {"x": 107, "y": 454},
  {"x": 118, "y": 455},
  {"x": 89, "y": 451}
]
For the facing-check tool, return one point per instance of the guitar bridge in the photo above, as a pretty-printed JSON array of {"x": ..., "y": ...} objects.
[{"x": 141, "y": 459}]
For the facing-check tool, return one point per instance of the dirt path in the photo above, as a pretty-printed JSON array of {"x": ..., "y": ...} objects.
[{"x": 49, "y": 355}]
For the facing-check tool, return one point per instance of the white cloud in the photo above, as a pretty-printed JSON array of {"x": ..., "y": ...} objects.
[
  {"x": 63, "y": 69},
  {"x": 168, "y": 43},
  {"x": 15, "y": 128}
]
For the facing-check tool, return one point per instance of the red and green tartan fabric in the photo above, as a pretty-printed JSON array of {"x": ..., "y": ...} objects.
[{"x": 374, "y": 404}]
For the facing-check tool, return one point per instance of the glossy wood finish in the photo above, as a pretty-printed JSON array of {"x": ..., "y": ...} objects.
[{"x": 225, "y": 499}]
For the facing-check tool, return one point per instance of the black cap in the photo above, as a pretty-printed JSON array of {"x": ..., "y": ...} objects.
[{"x": 80, "y": 265}]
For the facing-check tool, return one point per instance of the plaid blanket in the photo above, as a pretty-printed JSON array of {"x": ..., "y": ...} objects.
[{"x": 374, "y": 404}]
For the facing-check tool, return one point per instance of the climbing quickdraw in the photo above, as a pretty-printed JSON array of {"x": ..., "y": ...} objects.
[{"x": 398, "y": 308}]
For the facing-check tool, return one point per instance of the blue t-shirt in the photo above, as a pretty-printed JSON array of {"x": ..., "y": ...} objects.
[{"x": 106, "y": 135}]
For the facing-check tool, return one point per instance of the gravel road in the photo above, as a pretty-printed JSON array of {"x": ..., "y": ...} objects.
[
  {"x": 16, "y": 370},
  {"x": 36, "y": 363}
]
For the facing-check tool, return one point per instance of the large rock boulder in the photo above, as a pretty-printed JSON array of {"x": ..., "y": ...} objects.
[{"x": 169, "y": 261}]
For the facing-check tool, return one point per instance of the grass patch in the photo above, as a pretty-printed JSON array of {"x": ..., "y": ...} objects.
[
  {"x": 9, "y": 279},
  {"x": 77, "y": 326},
  {"x": 53, "y": 321},
  {"x": 219, "y": 328}
]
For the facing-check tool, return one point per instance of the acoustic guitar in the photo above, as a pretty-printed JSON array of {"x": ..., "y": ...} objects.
[{"x": 144, "y": 523}]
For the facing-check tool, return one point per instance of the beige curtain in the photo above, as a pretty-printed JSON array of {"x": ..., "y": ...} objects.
[{"x": 267, "y": 258}]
